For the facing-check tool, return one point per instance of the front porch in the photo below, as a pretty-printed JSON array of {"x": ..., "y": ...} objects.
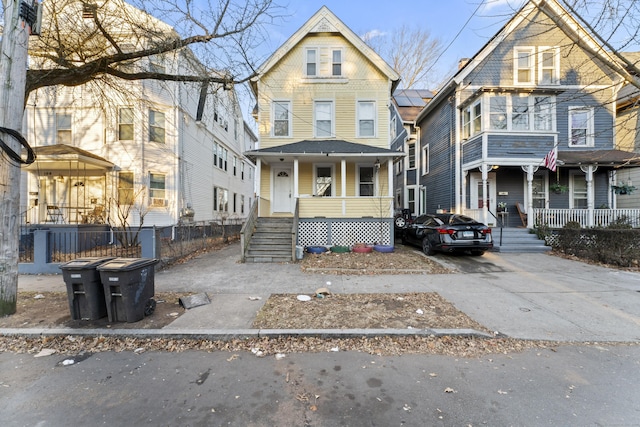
[{"x": 558, "y": 218}]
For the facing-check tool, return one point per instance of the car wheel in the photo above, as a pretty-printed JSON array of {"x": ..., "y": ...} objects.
[
  {"x": 477, "y": 252},
  {"x": 426, "y": 247},
  {"x": 400, "y": 222}
]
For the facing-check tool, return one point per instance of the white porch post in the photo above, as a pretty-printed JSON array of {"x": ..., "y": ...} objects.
[
  {"x": 258, "y": 181},
  {"x": 485, "y": 197},
  {"x": 589, "y": 170},
  {"x": 343, "y": 185},
  {"x": 295, "y": 179},
  {"x": 530, "y": 172}
]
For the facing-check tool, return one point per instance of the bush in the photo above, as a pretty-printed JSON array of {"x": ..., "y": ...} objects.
[{"x": 618, "y": 246}]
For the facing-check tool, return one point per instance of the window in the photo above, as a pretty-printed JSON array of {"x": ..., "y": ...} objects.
[
  {"x": 242, "y": 170},
  {"x": 235, "y": 129},
  {"x": 220, "y": 158},
  {"x": 63, "y": 129},
  {"x": 365, "y": 181},
  {"x": 235, "y": 202},
  {"x": 425, "y": 159},
  {"x": 323, "y": 111},
  {"x": 520, "y": 113},
  {"x": 336, "y": 63},
  {"x": 125, "y": 124},
  {"x": 580, "y": 127},
  {"x": 225, "y": 155},
  {"x": 281, "y": 118},
  {"x": 538, "y": 193},
  {"x": 549, "y": 65},
  {"x": 578, "y": 192},
  {"x": 524, "y": 65},
  {"x": 311, "y": 62},
  {"x": 220, "y": 200},
  {"x": 498, "y": 112},
  {"x": 411, "y": 158},
  {"x": 156, "y": 64},
  {"x": 472, "y": 120},
  {"x": 235, "y": 165},
  {"x": 156, "y": 189},
  {"x": 366, "y": 119},
  {"x": 324, "y": 180},
  {"x": 125, "y": 188},
  {"x": 242, "y": 203},
  {"x": 411, "y": 200},
  {"x": 156, "y": 126},
  {"x": 393, "y": 132}
]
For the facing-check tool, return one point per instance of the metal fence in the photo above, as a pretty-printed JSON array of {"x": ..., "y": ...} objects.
[
  {"x": 181, "y": 240},
  {"x": 67, "y": 245},
  {"x": 25, "y": 246}
]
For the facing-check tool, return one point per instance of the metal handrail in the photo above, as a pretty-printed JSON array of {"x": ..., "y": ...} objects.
[
  {"x": 501, "y": 225},
  {"x": 248, "y": 228}
]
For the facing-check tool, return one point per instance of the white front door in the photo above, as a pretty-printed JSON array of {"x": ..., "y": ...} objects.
[
  {"x": 282, "y": 190},
  {"x": 478, "y": 198}
]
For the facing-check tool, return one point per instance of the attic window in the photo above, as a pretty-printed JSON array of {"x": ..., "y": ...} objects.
[{"x": 89, "y": 10}]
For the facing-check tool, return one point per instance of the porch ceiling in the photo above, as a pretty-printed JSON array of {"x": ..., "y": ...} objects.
[
  {"x": 65, "y": 158},
  {"x": 615, "y": 158},
  {"x": 321, "y": 149}
]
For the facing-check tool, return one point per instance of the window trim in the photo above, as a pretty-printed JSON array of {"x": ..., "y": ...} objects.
[
  {"x": 332, "y": 113},
  {"x": 531, "y": 112},
  {"x": 333, "y": 63},
  {"x": 572, "y": 188},
  {"x": 556, "y": 64},
  {"x": 121, "y": 123},
  {"x": 68, "y": 130},
  {"x": 426, "y": 157},
  {"x": 307, "y": 63},
  {"x": 273, "y": 117},
  {"x": 373, "y": 178},
  {"x": 358, "y": 118},
  {"x": 531, "y": 50},
  {"x": 411, "y": 154},
  {"x": 589, "y": 137},
  {"x": 162, "y": 190},
  {"x": 315, "y": 178},
  {"x": 131, "y": 189},
  {"x": 153, "y": 126},
  {"x": 469, "y": 119}
]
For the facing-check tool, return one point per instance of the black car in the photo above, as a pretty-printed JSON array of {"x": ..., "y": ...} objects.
[{"x": 448, "y": 233}]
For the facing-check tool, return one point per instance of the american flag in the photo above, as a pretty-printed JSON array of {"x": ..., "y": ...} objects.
[{"x": 550, "y": 160}]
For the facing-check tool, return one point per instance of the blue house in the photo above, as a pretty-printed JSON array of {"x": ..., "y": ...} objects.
[{"x": 541, "y": 87}]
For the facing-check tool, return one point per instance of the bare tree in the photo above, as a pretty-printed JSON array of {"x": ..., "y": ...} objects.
[
  {"x": 412, "y": 52},
  {"x": 111, "y": 41}
]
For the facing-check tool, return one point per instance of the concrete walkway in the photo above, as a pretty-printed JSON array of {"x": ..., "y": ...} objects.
[{"x": 528, "y": 296}]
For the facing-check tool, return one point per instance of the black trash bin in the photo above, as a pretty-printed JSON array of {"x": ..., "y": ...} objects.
[
  {"x": 84, "y": 288},
  {"x": 129, "y": 287}
]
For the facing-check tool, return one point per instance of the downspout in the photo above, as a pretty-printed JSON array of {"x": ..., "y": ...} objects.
[{"x": 458, "y": 154}]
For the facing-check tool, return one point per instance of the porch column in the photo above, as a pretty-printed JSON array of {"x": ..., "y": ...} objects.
[
  {"x": 485, "y": 197},
  {"x": 295, "y": 179},
  {"x": 530, "y": 171},
  {"x": 463, "y": 194},
  {"x": 390, "y": 187},
  {"x": 343, "y": 185},
  {"x": 257, "y": 187},
  {"x": 589, "y": 170}
]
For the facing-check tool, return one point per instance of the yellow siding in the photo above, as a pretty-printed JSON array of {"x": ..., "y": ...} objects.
[{"x": 349, "y": 207}]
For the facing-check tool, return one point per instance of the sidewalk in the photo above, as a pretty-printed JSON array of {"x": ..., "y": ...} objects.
[{"x": 527, "y": 296}]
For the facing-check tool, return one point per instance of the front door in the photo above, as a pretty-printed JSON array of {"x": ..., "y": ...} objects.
[
  {"x": 282, "y": 190},
  {"x": 478, "y": 197}
]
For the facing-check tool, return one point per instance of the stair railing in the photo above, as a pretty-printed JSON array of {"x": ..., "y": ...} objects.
[
  {"x": 248, "y": 228},
  {"x": 294, "y": 230}
]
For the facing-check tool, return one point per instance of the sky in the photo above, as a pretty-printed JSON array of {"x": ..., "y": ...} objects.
[{"x": 462, "y": 25}]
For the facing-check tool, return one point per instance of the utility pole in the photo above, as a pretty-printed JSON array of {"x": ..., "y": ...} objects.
[{"x": 19, "y": 17}]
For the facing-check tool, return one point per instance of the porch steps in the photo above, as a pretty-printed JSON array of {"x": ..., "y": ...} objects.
[
  {"x": 517, "y": 240},
  {"x": 271, "y": 241}
]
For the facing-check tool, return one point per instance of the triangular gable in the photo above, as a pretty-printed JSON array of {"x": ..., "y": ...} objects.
[
  {"x": 563, "y": 20},
  {"x": 325, "y": 21}
]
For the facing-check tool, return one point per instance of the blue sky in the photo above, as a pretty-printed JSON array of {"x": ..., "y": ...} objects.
[{"x": 444, "y": 19}]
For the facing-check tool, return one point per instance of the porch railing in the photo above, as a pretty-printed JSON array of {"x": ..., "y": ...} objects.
[
  {"x": 248, "y": 228},
  {"x": 558, "y": 218}
]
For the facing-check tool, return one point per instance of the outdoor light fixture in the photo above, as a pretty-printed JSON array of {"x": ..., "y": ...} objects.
[{"x": 377, "y": 164}]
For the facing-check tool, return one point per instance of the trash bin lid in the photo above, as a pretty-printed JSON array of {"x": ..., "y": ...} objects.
[
  {"x": 85, "y": 263},
  {"x": 127, "y": 264}
]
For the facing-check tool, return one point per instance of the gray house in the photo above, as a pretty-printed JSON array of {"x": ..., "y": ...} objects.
[{"x": 540, "y": 87}]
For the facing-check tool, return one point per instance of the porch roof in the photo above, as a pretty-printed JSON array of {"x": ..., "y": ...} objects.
[
  {"x": 322, "y": 149},
  {"x": 615, "y": 158},
  {"x": 61, "y": 157}
]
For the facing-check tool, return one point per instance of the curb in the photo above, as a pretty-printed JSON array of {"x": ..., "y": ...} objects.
[{"x": 229, "y": 334}]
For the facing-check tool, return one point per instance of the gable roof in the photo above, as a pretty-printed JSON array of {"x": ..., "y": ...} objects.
[
  {"x": 328, "y": 147},
  {"x": 563, "y": 20},
  {"x": 325, "y": 21}
]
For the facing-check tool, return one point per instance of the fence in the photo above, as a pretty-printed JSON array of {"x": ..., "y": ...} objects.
[{"x": 41, "y": 251}]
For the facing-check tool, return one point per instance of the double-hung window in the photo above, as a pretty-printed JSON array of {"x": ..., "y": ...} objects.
[
  {"x": 365, "y": 181},
  {"x": 580, "y": 127},
  {"x": 156, "y": 126},
  {"x": 336, "y": 63},
  {"x": 323, "y": 112},
  {"x": 543, "y": 107},
  {"x": 425, "y": 160},
  {"x": 157, "y": 189},
  {"x": 578, "y": 192},
  {"x": 549, "y": 65},
  {"x": 281, "y": 118},
  {"x": 63, "y": 129},
  {"x": 524, "y": 65},
  {"x": 220, "y": 199},
  {"x": 366, "y": 119},
  {"x": 324, "y": 180},
  {"x": 125, "y": 188},
  {"x": 125, "y": 124},
  {"x": 411, "y": 157},
  {"x": 311, "y": 62},
  {"x": 519, "y": 113},
  {"x": 498, "y": 112}
]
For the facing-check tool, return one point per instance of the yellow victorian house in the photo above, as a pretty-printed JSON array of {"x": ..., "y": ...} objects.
[{"x": 323, "y": 161}]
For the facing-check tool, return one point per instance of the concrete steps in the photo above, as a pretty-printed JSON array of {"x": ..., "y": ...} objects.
[
  {"x": 517, "y": 240},
  {"x": 271, "y": 242}
]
